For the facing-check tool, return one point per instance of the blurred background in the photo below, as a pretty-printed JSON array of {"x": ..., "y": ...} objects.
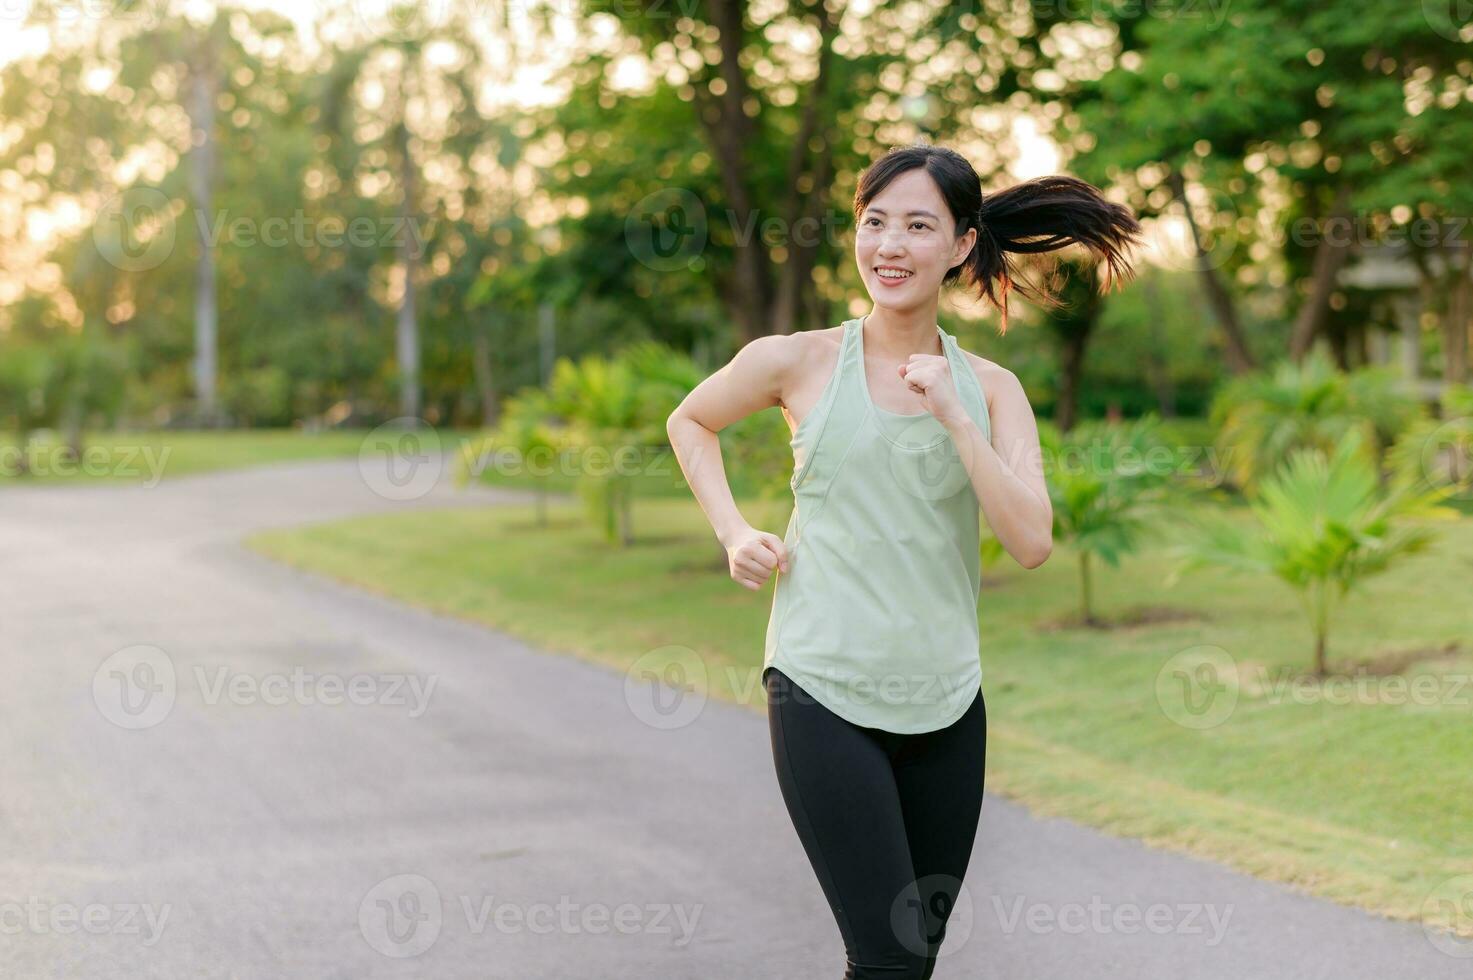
[{"x": 517, "y": 233}]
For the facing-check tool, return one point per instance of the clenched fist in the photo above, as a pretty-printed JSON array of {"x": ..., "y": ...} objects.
[{"x": 753, "y": 554}]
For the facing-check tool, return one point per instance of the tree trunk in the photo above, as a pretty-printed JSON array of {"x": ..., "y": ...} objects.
[
  {"x": 204, "y": 85},
  {"x": 485, "y": 383},
  {"x": 1071, "y": 369},
  {"x": 407, "y": 330},
  {"x": 1329, "y": 256},
  {"x": 1158, "y": 372},
  {"x": 1086, "y": 600},
  {"x": 807, "y": 182},
  {"x": 1456, "y": 323},
  {"x": 1239, "y": 357}
]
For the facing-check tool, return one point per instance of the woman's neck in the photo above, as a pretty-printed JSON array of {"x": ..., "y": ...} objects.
[{"x": 897, "y": 334}]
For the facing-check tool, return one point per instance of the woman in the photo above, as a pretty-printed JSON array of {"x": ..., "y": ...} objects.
[{"x": 871, "y": 667}]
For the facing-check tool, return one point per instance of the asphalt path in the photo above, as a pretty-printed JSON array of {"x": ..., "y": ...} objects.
[{"x": 214, "y": 766}]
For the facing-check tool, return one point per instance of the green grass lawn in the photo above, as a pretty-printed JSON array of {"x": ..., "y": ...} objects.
[
  {"x": 147, "y": 457},
  {"x": 1363, "y": 803}
]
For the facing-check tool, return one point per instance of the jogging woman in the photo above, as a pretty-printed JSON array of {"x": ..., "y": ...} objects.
[{"x": 871, "y": 668}]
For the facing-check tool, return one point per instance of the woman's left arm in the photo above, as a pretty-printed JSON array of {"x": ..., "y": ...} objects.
[{"x": 1007, "y": 472}]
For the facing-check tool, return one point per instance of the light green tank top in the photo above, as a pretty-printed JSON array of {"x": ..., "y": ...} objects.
[{"x": 876, "y": 616}]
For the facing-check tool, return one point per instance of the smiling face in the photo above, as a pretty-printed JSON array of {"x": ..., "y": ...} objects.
[{"x": 906, "y": 242}]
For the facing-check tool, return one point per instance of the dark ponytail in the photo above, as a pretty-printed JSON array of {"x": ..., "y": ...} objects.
[{"x": 1038, "y": 215}]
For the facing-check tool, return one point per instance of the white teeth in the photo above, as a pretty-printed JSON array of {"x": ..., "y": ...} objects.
[{"x": 893, "y": 274}]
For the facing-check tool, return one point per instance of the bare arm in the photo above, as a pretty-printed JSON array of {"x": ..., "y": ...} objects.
[
  {"x": 750, "y": 382},
  {"x": 1007, "y": 472}
]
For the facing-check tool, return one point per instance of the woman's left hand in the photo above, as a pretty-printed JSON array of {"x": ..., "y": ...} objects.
[{"x": 929, "y": 375}]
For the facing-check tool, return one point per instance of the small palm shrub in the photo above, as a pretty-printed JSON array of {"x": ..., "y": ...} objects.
[{"x": 1323, "y": 526}]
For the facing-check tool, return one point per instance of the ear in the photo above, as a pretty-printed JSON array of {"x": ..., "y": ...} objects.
[{"x": 963, "y": 248}]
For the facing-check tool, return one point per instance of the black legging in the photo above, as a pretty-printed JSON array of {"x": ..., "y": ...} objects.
[{"x": 888, "y": 821}]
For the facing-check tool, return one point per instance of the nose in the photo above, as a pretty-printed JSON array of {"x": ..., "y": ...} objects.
[{"x": 890, "y": 243}]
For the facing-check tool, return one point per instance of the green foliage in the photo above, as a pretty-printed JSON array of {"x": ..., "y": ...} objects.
[
  {"x": 1265, "y": 415},
  {"x": 1107, "y": 484},
  {"x": 1323, "y": 526},
  {"x": 601, "y": 420},
  {"x": 1438, "y": 450},
  {"x": 258, "y": 396}
]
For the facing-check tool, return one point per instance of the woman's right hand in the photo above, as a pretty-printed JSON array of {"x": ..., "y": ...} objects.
[{"x": 753, "y": 554}]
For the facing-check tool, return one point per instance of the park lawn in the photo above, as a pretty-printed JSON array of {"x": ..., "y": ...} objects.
[
  {"x": 1361, "y": 803},
  {"x": 146, "y": 457}
]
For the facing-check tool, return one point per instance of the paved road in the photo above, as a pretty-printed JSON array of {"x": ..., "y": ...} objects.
[{"x": 510, "y": 817}]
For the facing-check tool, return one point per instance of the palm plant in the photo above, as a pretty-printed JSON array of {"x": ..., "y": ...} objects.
[
  {"x": 612, "y": 414},
  {"x": 1324, "y": 525},
  {"x": 1261, "y": 417},
  {"x": 1104, "y": 508},
  {"x": 1439, "y": 450},
  {"x": 528, "y": 429}
]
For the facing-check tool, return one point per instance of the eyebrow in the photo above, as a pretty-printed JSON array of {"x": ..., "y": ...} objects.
[{"x": 907, "y": 214}]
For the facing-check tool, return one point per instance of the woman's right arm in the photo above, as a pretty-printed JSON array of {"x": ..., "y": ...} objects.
[{"x": 751, "y": 381}]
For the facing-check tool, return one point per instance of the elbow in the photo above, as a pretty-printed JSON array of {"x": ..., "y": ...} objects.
[{"x": 1038, "y": 555}]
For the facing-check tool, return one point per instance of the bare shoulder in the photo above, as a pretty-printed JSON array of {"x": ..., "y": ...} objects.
[
  {"x": 810, "y": 352},
  {"x": 789, "y": 352},
  {"x": 819, "y": 341},
  {"x": 996, "y": 380}
]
